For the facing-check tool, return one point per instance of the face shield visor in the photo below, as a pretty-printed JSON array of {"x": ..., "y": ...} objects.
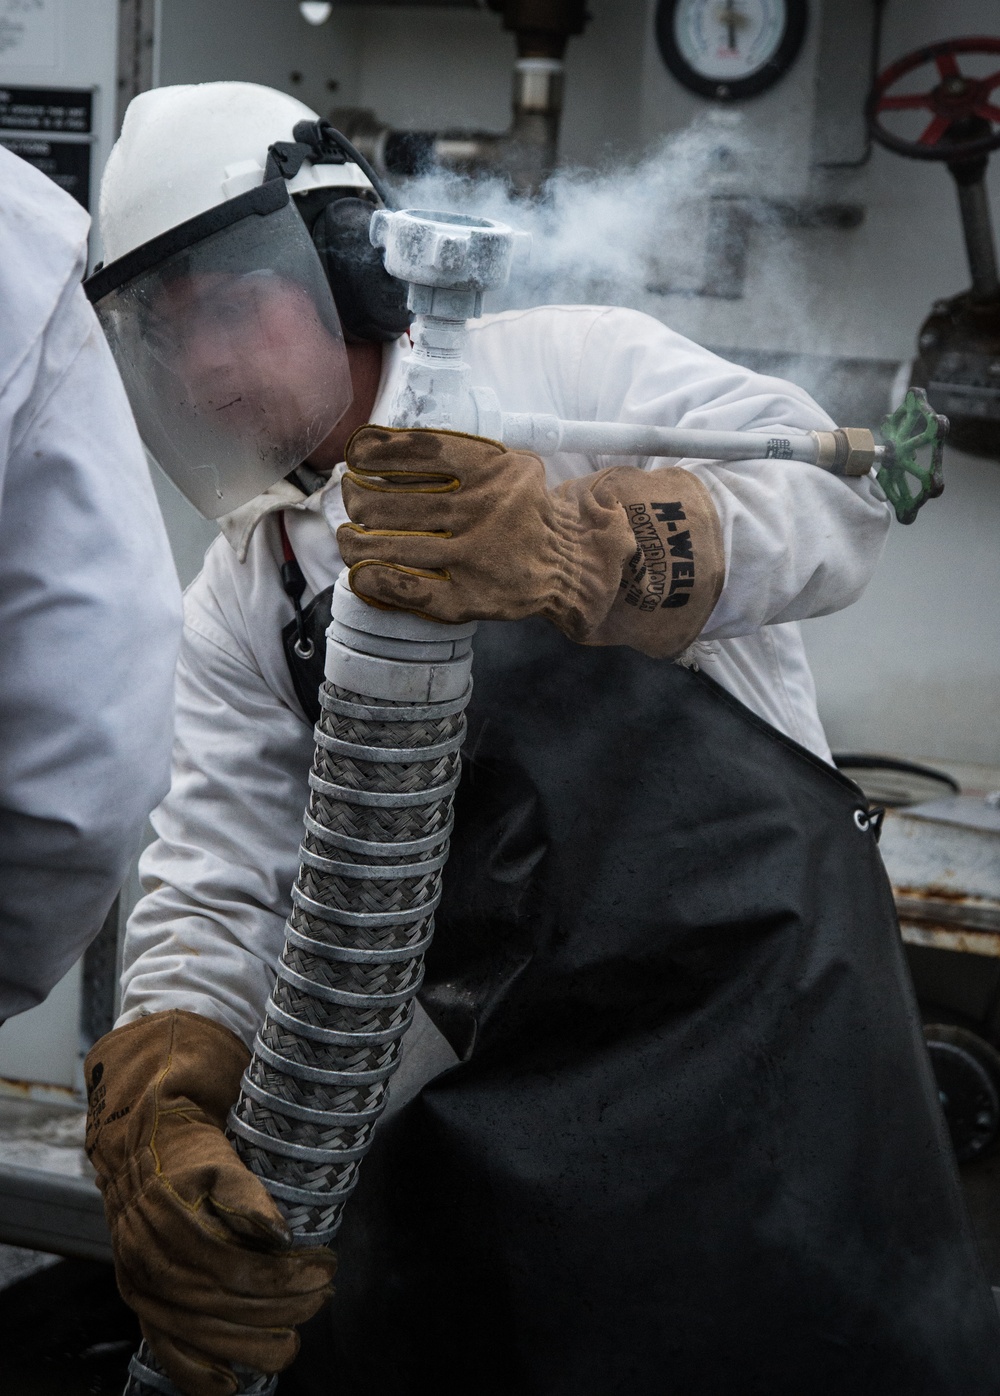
[{"x": 230, "y": 347}]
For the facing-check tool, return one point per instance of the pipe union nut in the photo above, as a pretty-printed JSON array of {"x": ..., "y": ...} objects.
[
  {"x": 846, "y": 451},
  {"x": 443, "y": 249}
]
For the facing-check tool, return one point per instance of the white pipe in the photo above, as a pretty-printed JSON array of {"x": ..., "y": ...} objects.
[
  {"x": 545, "y": 435},
  {"x": 449, "y": 262}
]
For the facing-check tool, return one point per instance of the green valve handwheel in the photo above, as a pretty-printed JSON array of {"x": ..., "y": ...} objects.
[{"x": 914, "y": 424}]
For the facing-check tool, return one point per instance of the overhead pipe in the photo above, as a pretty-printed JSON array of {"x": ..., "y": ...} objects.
[{"x": 526, "y": 153}]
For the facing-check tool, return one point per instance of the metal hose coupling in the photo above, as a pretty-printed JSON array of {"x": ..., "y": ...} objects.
[{"x": 386, "y": 765}]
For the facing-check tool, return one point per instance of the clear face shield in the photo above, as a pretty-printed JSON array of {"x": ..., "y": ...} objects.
[{"x": 230, "y": 347}]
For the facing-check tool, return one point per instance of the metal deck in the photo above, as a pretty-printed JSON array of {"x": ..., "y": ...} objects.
[{"x": 48, "y": 1198}]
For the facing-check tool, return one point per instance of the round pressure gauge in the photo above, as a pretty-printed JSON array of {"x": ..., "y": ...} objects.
[{"x": 730, "y": 48}]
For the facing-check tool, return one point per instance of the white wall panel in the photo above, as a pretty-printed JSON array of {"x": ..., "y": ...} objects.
[
  {"x": 42, "y": 1046},
  {"x": 264, "y": 41}
]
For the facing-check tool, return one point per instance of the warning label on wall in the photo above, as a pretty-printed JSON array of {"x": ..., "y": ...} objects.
[
  {"x": 64, "y": 109},
  {"x": 66, "y": 162}
]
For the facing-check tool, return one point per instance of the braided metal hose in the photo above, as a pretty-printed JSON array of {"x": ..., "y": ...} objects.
[
  {"x": 379, "y": 816},
  {"x": 376, "y": 839}
]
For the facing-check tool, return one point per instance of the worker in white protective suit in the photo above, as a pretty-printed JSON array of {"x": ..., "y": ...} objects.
[
  {"x": 686, "y": 1138},
  {"x": 89, "y": 603}
]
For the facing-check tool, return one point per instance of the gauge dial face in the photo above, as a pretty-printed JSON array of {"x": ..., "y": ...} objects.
[
  {"x": 730, "y": 48},
  {"x": 729, "y": 39}
]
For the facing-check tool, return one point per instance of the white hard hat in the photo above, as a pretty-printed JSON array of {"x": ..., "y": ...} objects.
[
  {"x": 214, "y": 298},
  {"x": 186, "y": 149}
]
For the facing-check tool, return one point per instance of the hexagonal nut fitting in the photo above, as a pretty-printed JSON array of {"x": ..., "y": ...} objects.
[
  {"x": 846, "y": 451},
  {"x": 860, "y": 451},
  {"x": 444, "y": 250}
]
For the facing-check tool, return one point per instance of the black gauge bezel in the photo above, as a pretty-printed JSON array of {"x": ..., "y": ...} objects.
[{"x": 796, "y": 22}]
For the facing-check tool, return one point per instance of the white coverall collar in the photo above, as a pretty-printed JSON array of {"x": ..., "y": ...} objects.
[{"x": 240, "y": 526}]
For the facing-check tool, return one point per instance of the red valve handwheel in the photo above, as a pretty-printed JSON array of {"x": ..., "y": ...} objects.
[{"x": 956, "y": 98}]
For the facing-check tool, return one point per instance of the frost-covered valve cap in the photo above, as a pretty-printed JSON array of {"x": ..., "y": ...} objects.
[{"x": 444, "y": 250}]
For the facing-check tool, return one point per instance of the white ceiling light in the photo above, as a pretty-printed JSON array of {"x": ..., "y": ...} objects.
[{"x": 315, "y": 11}]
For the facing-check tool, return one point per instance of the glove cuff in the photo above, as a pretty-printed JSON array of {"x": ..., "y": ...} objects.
[
  {"x": 590, "y": 543},
  {"x": 671, "y": 566},
  {"x": 153, "y": 1063}
]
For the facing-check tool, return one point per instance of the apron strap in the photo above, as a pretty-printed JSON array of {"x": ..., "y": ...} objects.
[{"x": 294, "y": 584}]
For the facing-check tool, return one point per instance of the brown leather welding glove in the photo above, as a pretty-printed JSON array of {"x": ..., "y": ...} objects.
[
  {"x": 455, "y": 528},
  {"x": 202, "y": 1254}
]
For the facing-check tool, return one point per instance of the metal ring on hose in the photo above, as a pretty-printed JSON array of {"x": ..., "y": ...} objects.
[
  {"x": 334, "y": 1037},
  {"x": 306, "y": 1197},
  {"x": 285, "y": 1148},
  {"x": 320, "y": 1074},
  {"x": 348, "y": 954},
  {"x": 372, "y": 919},
  {"x": 390, "y": 755},
  {"x": 378, "y": 850},
  {"x": 147, "y": 1378},
  {"x": 345, "y": 996},
  {"x": 323, "y": 1237},
  {"x": 336, "y": 1119},
  {"x": 374, "y": 872},
  {"x": 156, "y": 1381},
  {"x": 410, "y": 712},
  {"x": 380, "y": 799}
]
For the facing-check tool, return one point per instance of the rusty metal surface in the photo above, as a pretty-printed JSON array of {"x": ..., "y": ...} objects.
[
  {"x": 937, "y": 937},
  {"x": 943, "y": 859},
  {"x": 946, "y": 849},
  {"x": 943, "y": 907}
]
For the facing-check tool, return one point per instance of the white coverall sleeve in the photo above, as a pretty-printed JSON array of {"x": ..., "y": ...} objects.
[
  {"x": 798, "y": 541},
  {"x": 89, "y": 626},
  {"x": 207, "y": 935}
]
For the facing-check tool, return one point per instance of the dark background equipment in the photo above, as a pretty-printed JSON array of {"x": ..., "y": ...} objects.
[{"x": 959, "y": 342}]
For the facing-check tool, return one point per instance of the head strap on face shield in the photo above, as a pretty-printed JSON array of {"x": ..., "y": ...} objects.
[{"x": 321, "y": 144}]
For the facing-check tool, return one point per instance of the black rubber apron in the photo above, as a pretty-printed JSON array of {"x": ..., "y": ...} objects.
[{"x": 693, "y": 1145}]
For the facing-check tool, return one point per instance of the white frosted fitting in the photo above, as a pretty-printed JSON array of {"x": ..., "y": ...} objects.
[
  {"x": 448, "y": 262},
  {"x": 545, "y": 435},
  {"x": 433, "y": 389}
]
